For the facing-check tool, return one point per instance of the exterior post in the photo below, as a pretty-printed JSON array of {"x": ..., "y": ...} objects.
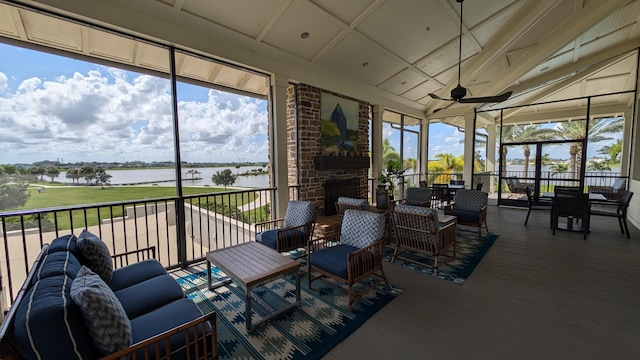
[{"x": 278, "y": 121}]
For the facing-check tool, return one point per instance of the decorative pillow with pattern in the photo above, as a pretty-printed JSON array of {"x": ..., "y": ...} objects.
[
  {"x": 96, "y": 254},
  {"x": 352, "y": 201},
  {"x": 470, "y": 200},
  {"x": 103, "y": 314},
  {"x": 361, "y": 228},
  {"x": 299, "y": 213}
]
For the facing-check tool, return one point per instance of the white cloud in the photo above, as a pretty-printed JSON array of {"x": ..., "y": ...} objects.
[{"x": 106, "y": 114}]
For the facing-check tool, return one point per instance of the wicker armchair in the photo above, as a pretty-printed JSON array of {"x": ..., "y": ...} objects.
[
  {"x": 470, "y": 207},
  {"x": 417, "y": 196},
  {"x": 613, "y": 192},
  {"x": 345, "y": 203},
  {"x": 290, "y": 233},
  {"x": 417, "y": 230},
  {"x": 352, "y": 255}
]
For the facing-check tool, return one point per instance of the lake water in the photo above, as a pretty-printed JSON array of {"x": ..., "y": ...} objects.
[{"x": 160, "y": 176}]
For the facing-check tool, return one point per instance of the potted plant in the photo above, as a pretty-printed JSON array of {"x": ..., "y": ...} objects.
[{"x": 387, "y": 181}]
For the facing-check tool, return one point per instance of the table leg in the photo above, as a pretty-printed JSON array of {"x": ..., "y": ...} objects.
[
  {"x": 247, "y": 310},
  {"x": 298, "y": 287}
]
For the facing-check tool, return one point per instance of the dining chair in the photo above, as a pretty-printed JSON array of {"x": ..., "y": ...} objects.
[
  {"x": 573, "y": 205},
  {"x": 546, "y": 206},
  {"x": 456, "y": 182},
  {"x": 617, "y": 210},
  {"x": 441, "y": 195}
]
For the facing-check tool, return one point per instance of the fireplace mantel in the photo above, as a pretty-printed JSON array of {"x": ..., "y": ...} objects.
[{"x": 324, "y": 162}]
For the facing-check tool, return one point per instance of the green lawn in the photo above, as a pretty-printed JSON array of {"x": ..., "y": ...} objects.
[{"x": 70, "y": 196}]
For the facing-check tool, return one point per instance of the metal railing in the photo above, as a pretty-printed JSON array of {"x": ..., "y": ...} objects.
[{"x": 211, "y": 221}]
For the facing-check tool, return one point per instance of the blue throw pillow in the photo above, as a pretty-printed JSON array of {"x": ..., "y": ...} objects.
[
  {"x": 103, "y": 314},
  {"x": 96, "y": 255}
]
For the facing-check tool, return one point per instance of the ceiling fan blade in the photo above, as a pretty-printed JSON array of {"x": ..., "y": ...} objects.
[
  {"x": 434, "y": 96},
  {"x": 487, "y": 99}
]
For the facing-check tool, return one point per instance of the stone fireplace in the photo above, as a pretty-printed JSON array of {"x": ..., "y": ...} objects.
[{"x": 309, "y": 166}]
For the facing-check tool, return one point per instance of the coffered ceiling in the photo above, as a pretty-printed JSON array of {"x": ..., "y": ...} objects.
[{"x": 388, "y": 52}]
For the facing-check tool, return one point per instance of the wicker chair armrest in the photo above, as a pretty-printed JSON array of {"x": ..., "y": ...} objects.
[
  {"x": 483, "y": 214},
  {"x": 360, "y": 264},
  {"x": 448, "y": 208},
  {"x": 323, "y": 242},
  {"x": 295, "y": 235},
  {"x": 197, "y": 338},
  {"x": 122, "y": 259},
  {"x": 269, "y": 224},
  {"x": 446, "y": 235}
]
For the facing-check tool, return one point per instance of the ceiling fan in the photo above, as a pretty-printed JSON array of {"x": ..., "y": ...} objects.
[{"x": 459, "y": 92}]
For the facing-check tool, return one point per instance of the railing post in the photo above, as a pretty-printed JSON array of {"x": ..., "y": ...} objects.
[{"x": 181, "y": 233}]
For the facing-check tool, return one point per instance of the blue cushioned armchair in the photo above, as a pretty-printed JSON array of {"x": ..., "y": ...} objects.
[
  {"x": 353, "y": 255},
  {"x": 290, "y": 233},
  {"x": 470, "y": 207},
  {"x": 417, "y": 196},
  {"x": 345, "y": 203}
]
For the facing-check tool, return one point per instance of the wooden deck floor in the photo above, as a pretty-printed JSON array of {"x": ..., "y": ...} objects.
[{"x": 533, "y": 296}]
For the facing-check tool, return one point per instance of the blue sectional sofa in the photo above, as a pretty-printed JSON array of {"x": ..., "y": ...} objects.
[{"x": 71, "y": 308}]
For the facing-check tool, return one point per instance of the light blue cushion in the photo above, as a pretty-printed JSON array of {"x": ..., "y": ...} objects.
[
  {"x": 96, "y": 255},
  {"x": 361, "y": 228},
  {"x": 104, "y": 316}
]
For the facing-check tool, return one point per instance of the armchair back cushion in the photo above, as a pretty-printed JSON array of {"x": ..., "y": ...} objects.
[
  {"x": 299, "y": 213},
  {"x": 619, "y": 184},
  {"x": 361, "y": 228},
  {"x": 470, "y": 200},
  {"x": 418, "y": 196},
  {"x": 432, "y": 222},
  {"x": 363, "y": 203}
]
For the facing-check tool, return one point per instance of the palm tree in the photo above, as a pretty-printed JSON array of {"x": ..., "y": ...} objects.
[
  {"x": 445, "y": 164},
  {"x": 575, "y": 130},
  {"x": 523, "y": 133},
  {"x": 389, "y": 152},
  {"x": 613, "y": 151}
]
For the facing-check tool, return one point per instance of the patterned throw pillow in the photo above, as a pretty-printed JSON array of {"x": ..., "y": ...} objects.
[
  {"x": 97, "y": 255},
  {"x": 103, "y": 314},
  {"x": 361, "y": 228}
]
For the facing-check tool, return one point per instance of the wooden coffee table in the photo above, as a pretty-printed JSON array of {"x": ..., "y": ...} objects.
[{"x": 250, "y": 265}]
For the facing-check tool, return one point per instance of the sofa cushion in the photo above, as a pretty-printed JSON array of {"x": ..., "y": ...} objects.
[
  {"x": 97, "y": 255},
  {"x": 49, "y": 325},
  {"x": 57, "y": 263},
  {"x": 149, "y": 295},
  {"x": 102, "y": 312},
  {"x": 135, "y": 273},
  {"x": 164, "y": 318},
  {"x": 65, "y": 243}
]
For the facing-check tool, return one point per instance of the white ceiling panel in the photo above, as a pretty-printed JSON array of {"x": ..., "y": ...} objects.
[
  {"x": 112, "y": 46},
  {"x": 245, "y": 17},
  {"x": 446, "y": 57},
  {"x": 302, "y": 17},
  {"x": 476, "y": 12},
  {"x": 346, "y": 11},
  {"x": 49, "y": 31},
  {"x": 484, "y": 31},
  {"x": 350, "y": 56},
  {"x": 403, "y": 81},
  {"x": 153, "y": 57},
  {"x": 421, "y": 90},
  {"x": 7, "y": 25},
  {"x": 419, "y": 27}
]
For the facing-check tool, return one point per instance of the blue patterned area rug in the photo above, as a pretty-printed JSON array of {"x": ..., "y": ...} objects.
[
  {"x": 469, "y": 252},
  {"x": 309, "y": 331}
]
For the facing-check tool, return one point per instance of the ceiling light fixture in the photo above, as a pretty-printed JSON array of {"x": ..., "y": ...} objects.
[{"x": 304, "y": 35}]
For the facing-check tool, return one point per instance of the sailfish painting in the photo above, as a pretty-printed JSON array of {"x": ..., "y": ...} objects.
[{"x": 339, "y": 119}]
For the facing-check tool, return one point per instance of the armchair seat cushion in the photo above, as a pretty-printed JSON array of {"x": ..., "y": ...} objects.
[
  {"x": 465, "y": 216},
  {"x": 136, "y": 273},
  {"x": 164, "y": 318},
  {"x": 270, "y": 237},
  {"x": 334, "y": 259},
  {"x": 149, "y": 295}
]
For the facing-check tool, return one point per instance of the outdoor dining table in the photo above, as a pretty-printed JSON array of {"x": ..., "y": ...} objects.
[{"x": 569, "y": 226}]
